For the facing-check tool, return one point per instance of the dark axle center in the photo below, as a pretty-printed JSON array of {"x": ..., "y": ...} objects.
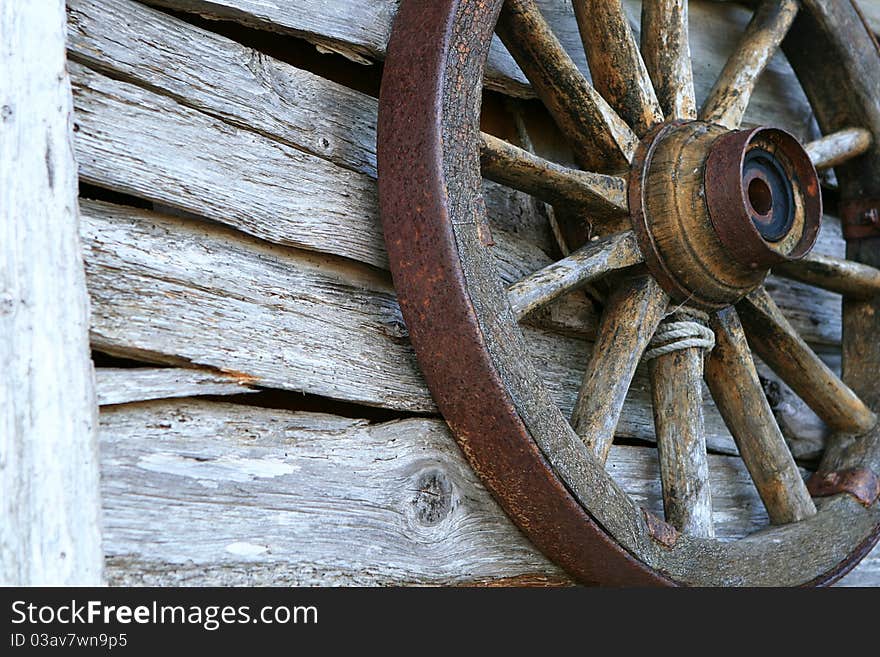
[
  {"x": 760, "y": 196},
  {"x": 769, "y": 194}
]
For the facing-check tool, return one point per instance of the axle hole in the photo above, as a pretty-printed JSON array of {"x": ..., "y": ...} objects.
[{"x": 760, "y": 196}]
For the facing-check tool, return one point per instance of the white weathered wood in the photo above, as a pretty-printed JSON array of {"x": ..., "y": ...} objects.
[
  {"x": 288, "y": 319},
  {"x": 121, "y": 385},
  {"x": 141, "y": 143},
  {"x": 222, "y": 78},
  {"x": 357, "y": 30},
  {"x": 49, "y": 505},
  {"x": 667, "y": 52},
  {"x": 292, "y": 320},
  {"x": 317, "y": 499}
]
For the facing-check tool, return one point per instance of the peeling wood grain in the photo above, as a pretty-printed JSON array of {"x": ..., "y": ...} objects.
[
  {"x": 594, "y": 194},
  {"x": 121, "y": 385},
  {"x": 316, "y": 499},
  {"x": 305, "y": 499},
  {"x": 667, "y": 52},
  {"x": 593, "y": 260},
  {"x": 616, "y": 64},
  {"x": 677, "y": 384},
  {"x": 49, "y": 508},
  {"x": 846, "y": 277},
  {"x": 838, "y": 147},
  {"x": 771, "y": 336}
]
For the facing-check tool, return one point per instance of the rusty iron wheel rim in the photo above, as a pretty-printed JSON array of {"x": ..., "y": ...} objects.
[{"x": 516, "y": 440}]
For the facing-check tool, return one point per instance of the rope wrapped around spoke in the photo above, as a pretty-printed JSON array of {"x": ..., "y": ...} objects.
[{"x": 683, "y": 328}]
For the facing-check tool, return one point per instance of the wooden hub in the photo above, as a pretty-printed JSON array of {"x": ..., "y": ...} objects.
[{"x": 714, "y": 209}]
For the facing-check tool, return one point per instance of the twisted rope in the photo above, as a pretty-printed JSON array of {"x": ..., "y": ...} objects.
[{"x": 683, "y": 328}]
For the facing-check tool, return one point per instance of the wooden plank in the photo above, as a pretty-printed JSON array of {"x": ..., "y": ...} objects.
[
  {"x": 121, "y": 385},
  {"x": 222, "y": 78},
  {"x": 49, "y": 505},
  {"x": 317, "y": 499},
  {"x": 219, "y": 299},
  {"x": 140, "y": 142},
  {"x": 137, "y": 142},
  {"x": 363, "y": 29},
  {"x": 356, "y": 30}
]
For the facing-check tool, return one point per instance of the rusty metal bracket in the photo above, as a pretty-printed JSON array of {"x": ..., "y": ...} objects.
[
  {"x": 660, "y": 530},
  {"x": 860, "y": 218},
  {"x": 861, "y": 483}
]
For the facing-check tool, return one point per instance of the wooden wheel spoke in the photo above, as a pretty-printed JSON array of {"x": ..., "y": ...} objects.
[
  {"x": 616, "y": 65},
  {"x": 667, "y": 53},
  {"x": 588, "y": 263},
  {"x": 600, "y": 195},
  {"x": 600, "y": 139},
  {"x": 838, "y": 147},
  {"x": 632, "y": 312},
  {"x": 733, "y": 381},
  {"x": 677, "y": 395},
  {"x": 727, "y": 102},
  {"x": 846, "y": 277},
  {"x": 779, "y": 345}
]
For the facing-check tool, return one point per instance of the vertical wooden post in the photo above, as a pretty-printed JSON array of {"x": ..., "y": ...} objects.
[{"x": 49, "y": 497}]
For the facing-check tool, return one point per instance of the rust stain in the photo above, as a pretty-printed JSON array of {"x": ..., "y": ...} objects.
[
  {"x": 860, "y": 218},
  {"x": 660, "y": 530},
  {"x": 241, "y": 378},
  {"x": 861, "y": 483}
]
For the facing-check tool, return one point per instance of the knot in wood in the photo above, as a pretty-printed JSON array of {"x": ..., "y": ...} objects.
[{"x": 432, "y": 501}]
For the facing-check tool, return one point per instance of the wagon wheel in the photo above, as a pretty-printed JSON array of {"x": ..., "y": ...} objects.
[{"x": 711, "y": 208}]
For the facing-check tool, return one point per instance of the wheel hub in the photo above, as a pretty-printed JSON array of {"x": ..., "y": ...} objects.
[{"x": 714, "y": 209}]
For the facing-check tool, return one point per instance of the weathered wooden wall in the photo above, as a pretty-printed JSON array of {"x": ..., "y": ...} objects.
[
  {"x": 231, "y": 234},
  {"x": 49, "y": 506}
]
